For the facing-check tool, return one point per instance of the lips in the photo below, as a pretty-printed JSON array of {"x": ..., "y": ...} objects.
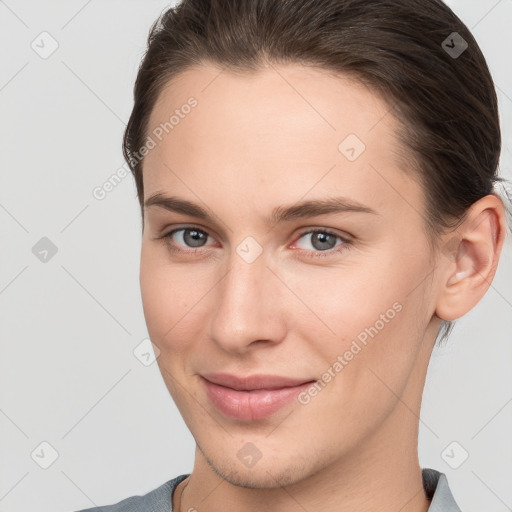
[{"x": 253, "y": 397}]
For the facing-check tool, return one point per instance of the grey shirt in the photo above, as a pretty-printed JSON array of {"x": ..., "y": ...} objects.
[{"x": 160, "y": 499}]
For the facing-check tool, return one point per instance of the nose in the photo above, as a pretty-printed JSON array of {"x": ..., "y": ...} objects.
[{"x": 249, "y": 306}]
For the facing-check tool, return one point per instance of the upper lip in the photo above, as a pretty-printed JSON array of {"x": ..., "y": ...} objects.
[{"x": 252, "y": 382}]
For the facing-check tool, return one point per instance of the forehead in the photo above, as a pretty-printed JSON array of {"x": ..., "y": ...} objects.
[
  {"x": 292, "y": 128},
  {"x": 291, "y": 96}
]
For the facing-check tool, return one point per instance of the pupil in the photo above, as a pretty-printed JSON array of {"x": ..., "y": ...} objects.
[
  {"x": 195, "y": 238},
  {"x": 322, "y": 239}
]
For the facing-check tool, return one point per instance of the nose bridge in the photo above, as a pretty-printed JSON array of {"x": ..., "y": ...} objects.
[{"x": 247, "y": 309}]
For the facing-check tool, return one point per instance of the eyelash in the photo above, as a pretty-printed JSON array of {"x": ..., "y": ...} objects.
[{"x": 318, "y": 254}]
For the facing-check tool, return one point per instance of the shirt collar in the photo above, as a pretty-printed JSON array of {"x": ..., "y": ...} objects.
[
  {"x": 435, "y": 484},
  {"x": 438, "y": 491}
]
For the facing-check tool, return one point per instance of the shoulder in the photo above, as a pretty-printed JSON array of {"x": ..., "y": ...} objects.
[{"x": 157, "y": 500}]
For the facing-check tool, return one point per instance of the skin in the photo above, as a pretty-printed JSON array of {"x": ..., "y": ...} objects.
[{"x": 253, "y": 143}]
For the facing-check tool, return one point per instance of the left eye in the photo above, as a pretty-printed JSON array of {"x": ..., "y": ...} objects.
[{"x": 322, "y": 240}]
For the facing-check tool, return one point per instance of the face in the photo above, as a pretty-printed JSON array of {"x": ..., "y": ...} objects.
[{"x": 274, "y": 281}]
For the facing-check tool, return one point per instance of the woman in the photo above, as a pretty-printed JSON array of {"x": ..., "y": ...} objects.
[{"x": 316, "y": 182}]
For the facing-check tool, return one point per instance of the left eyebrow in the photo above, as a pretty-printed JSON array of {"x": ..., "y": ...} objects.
[
  {"x": 317, "y": 207},
  {"x": 305, "y": 209}
]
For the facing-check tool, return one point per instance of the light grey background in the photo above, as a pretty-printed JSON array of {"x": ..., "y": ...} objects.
[{"x": 68, "y": 375}]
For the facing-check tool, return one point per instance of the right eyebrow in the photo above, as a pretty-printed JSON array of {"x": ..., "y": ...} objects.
[{"x": 174, "y": 204}]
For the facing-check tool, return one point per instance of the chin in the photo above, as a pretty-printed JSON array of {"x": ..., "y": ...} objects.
[
  {"x": 260, "y": 479},
  {"x": 265, "y": 474}
]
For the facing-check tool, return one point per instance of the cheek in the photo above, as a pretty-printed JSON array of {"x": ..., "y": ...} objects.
[
  {"x": 170, "y": 296},
  {"x": 371, "y": 316},
  {"x": 342, "y": 302}
]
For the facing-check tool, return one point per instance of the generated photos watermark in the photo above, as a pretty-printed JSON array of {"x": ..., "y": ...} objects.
[{"x": 357, "y": 345}]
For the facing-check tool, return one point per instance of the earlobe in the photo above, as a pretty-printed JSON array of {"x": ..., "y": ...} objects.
[{"x": 471, "y": 264}]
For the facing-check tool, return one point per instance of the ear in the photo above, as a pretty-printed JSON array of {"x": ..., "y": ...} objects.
[{"x": 470, "y": 257}]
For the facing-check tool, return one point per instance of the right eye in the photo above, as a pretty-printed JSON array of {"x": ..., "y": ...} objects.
[{"x": 191, "y": 237}]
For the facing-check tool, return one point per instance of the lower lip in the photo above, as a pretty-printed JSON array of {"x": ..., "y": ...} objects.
[{"x": 251, "y": 405}]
